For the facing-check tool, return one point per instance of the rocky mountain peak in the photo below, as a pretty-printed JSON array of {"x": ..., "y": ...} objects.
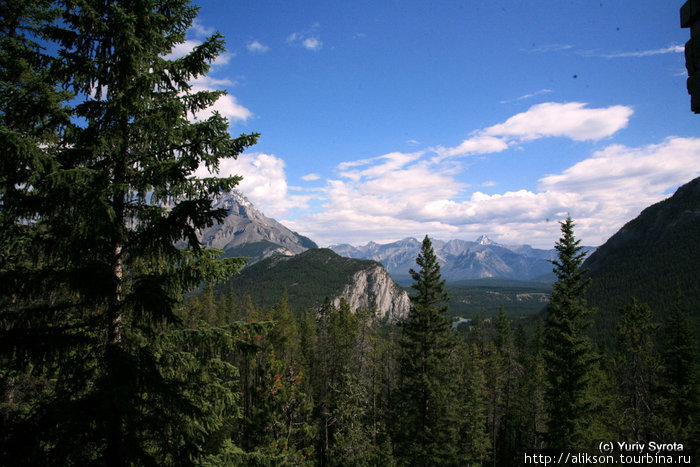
[
  {"x": 246, "y": 231},
  {"x": 484, "y": 240}
]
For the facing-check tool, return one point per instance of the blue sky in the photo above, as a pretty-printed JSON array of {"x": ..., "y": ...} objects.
[{"x": 387, "y": 119}]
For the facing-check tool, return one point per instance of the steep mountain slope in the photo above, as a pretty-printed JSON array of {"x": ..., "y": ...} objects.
[
  {"x": 248, "y": 232},
  {"x": 649, "y": 258},
  {"x": 315, "y": 274},
  {"x": 459, "y": 259}
]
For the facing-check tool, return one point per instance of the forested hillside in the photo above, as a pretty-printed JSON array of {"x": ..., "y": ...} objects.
[
  {"x": 497, "y": 389},
  {"x": 307, "y": 278},
  {"x": 650, "y": 258}
]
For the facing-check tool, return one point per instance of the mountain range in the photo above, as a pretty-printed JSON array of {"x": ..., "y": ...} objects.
[
  {"x": 649, "y": 258},
  {"x": 460, "y": 259},
  {"x": 247, "y": 232}
]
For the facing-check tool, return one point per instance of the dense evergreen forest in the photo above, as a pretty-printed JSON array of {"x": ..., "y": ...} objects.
[{"x": 116, "y": 347}]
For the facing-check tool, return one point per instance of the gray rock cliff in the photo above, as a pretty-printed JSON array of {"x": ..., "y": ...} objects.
[{"x": 374, "y": 288}]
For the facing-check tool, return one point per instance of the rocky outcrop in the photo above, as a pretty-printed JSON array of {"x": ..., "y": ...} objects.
[{"x": 374, "y": 288}]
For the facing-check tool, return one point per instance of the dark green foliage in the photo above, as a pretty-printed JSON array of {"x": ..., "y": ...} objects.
[
  {"x": 523, "y": 299},
  {"x": 569, "y": 355},
  {"x": 530, "y": 398},
  {"x": 472, "y": 404},
  {"x": 425, "y": 397},
  {"x": 648, "y": 259},
  {"x": 89, "y": 271},
  {"x": 680, "y": 389},
  {"x": 637, "y": 368},
  {"x": 307, "y": 278}
]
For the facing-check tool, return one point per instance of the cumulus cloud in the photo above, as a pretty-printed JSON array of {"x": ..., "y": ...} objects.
[
  {"x": 403, "y": 194},
  {"x": 572, "y": 120},
  {"x": 200, "y": 30},
  {"x": 256, "y": 47},
  {"x": 308, "y": 39},
  {"x": 479, "y": 144},
  {"x": 398, "y": 195},
  {"x": 626, "y": 177},
  {"x": 312, "y": 43},
  {"x": 550, "y": 119},
  {"x": 264, "y": 182},
  {"x": 226, "y": 105},
  {"x": 183, "y": 48}
]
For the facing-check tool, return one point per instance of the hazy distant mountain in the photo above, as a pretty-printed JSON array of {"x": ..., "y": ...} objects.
[
  {"x": 459, "y": 259},
  {"x": 649, "y": 258},
  {"x": 248, "y": 232}
]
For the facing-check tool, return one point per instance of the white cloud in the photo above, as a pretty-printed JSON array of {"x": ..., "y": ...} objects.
[
  {"x": 312, "y": 43},
  {"x": 550, "y": 119},
  {"x": 621, "y": 178},
  {"x": 389, "y": 163},
  {"x": 308, "y": 39},
  {"x": 548, "y": 48},
  {"x": 256, "y": 47},
  {"x": 226, "y": 105},
  {"x": 183, "y": 48},
  {"x": 398, "y": 195},
  {"x": 200, "y": 30},
  {"x": 528, "y": 96},
  {"x": 264, "y": 182},
  {"x": 573, "y": 120},
  {"x": 673, "y": 49},
  {"x": 478, "y": 144}
]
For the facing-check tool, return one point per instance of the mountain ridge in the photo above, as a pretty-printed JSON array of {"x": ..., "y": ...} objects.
[
  {"x": 246, "y": 231},
  {"x": 311, "y": 276},
  {"x": 649, "y": 258},
  {"x": 460, "y": 259}
]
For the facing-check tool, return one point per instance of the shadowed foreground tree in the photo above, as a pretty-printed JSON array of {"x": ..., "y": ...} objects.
[
  {"x": 92, "y": 207},
  {"x": 425, "y": 431},
  {"x": 680, "y": 385},
  {"x": 637, "y": 367},
  {"x": 572, "y": 363}
]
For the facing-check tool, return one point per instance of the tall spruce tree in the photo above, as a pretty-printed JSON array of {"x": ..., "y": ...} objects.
[
  {"x": 680, "y": 384},
  {"x": 637, "y": 367},
  {"x": 92, "y": 208},
  {"x": 569, "y": 355},
  {"x": 425, "y": 431}
]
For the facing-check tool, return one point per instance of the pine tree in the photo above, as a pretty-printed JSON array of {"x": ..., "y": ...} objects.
[
  {"x": 103, "y": 200},
  {"x": 637, "y": 373},
  {"x": 474, "y": 437},
  {"x": 505, "y": 431},
  {"x": 425, "y": 433},
  {"x": 284, "y": 336},
  {"x": 681, "y": 404},
  {"x": 33, "y": 116},
  {"x": 569, "y": 355},
  {"x": 532, "y": 393}
]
